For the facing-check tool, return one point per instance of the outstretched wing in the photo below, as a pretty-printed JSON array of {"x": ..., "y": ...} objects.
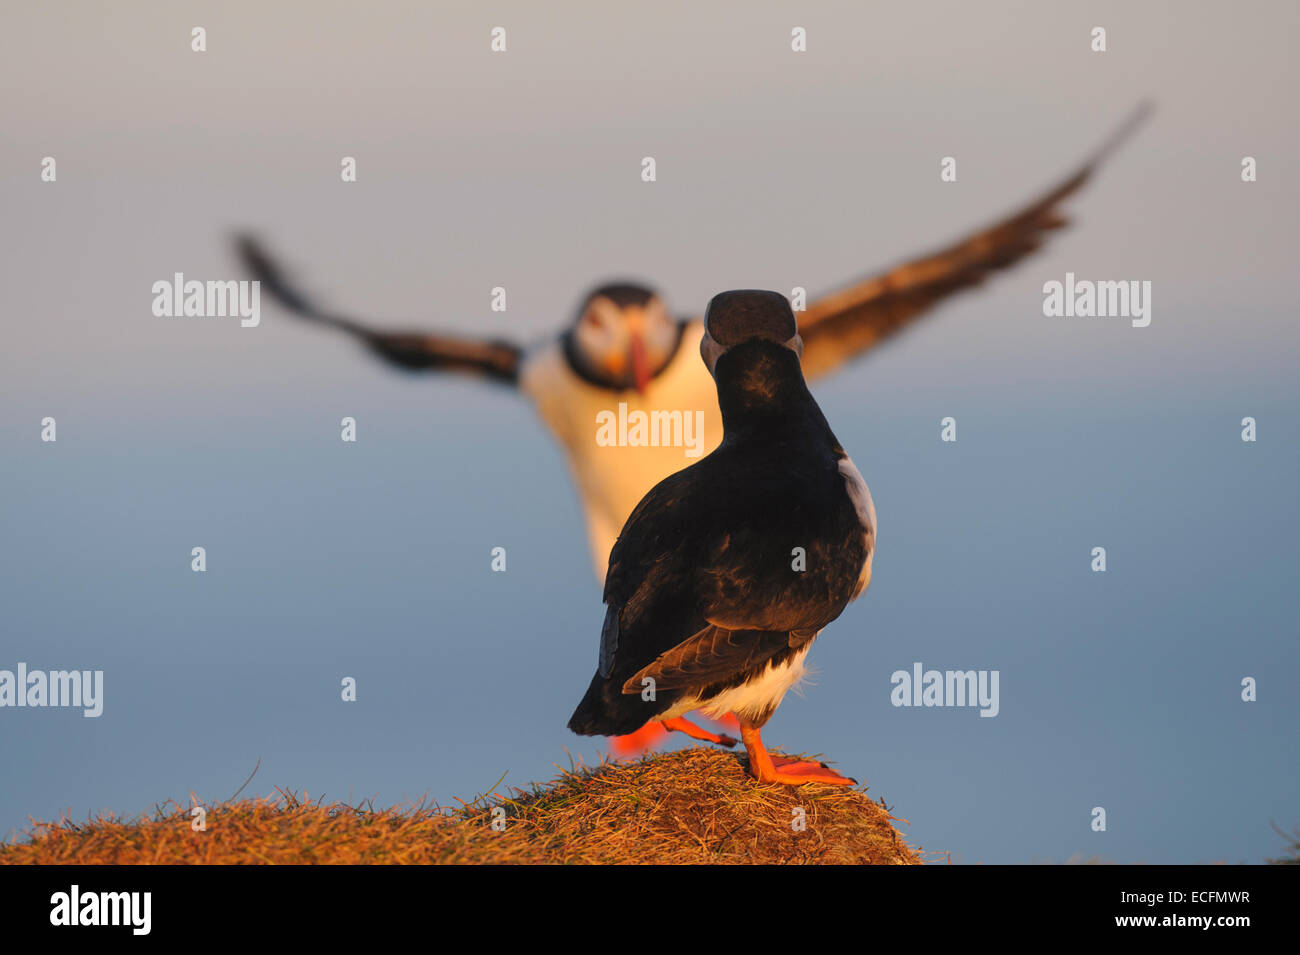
[
  {"x": 849, "y": 322},
  {"x": 496, "y": 360}
]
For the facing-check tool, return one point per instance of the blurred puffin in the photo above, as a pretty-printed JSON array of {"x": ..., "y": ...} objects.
[
  {"x": 705, "y": 607},
  {"x": 624, "y": 347}
]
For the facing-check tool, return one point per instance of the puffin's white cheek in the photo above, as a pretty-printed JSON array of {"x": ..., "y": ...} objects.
[
  {"x": 663, "y": 339},
  {"x": 599, "y": 342}
]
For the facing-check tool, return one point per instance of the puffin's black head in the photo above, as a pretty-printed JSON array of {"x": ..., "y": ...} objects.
[
  {"x": 737, "y": 316},
  {"x": 621, "y": 337},
  {"x": 747, "y": 315}
]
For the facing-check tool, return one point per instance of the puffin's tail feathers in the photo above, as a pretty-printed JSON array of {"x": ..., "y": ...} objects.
[
  {"x": 606, "y": 711},
  {"x": 589, "y": 719}
]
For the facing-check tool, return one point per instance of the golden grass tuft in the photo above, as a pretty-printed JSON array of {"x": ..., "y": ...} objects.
[{"x": 690, "y": 806}]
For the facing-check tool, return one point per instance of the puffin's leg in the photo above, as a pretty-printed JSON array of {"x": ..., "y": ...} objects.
[
  {"x": 654, "y": 732},
  {"x": 767, "y": 768},
  {"x": 683, "y": 725}
]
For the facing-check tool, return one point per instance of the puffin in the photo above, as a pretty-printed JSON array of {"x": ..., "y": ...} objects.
[
  {"x": 624, "y": 352},
  {"x": 726, "y": 571}
]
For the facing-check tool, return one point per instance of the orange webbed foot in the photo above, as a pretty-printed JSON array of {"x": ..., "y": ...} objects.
[
  {"x": 796, "y": 772},
  {"x": 634, "y": 744},
  {"x": 766, "y": 768}
]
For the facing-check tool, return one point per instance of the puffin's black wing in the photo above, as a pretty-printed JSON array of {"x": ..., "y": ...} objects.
[
  {"x": 714, "y": 655},
  {"x": 697, "y": 589},
  {"x": 700, "y": 594},
  {"x": 849, "y": 322},
  {"x": 496, "y": 360}
]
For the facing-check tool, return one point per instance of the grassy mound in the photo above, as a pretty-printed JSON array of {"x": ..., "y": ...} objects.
[{"x": 690, "y": 806}]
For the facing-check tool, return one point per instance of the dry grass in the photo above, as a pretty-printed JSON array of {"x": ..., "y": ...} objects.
[
  {"x": 691, "y": 806},
  {"x": 1291, "y": 855}
]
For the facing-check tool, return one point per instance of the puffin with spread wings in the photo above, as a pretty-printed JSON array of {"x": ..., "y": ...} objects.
[
  {"x": 728, "y": 570},
  {"x": 624, "y": 347}
]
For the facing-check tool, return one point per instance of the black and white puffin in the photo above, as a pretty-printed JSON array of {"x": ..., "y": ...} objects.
[
  {"x": 727, "y": 570},
  {"x": 625, "y": 347}
]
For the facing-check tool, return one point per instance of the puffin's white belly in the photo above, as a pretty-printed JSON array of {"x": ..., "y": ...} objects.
[
  {"x": 753, "y": 699},
  {"x": 612, "y": 479}
]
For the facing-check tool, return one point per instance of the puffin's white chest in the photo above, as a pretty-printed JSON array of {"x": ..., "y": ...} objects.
[{"x": 612, "y": 478}]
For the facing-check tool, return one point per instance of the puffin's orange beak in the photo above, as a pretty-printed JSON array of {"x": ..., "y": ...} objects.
[
  {"x": 640, "y": 364},
  {"x": 636, "y": 350}
]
